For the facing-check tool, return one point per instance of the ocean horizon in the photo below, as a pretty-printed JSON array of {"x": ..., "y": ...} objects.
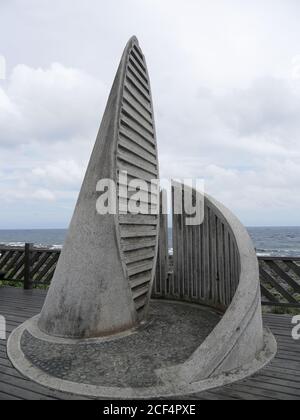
[{"x": 268, "y": 241}]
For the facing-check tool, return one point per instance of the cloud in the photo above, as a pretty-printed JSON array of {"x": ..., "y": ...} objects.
[
  {"x": 244, "y": 143},
  {"x": 60, "y": 173},
  {"x": 226, "y": 99},
  {"x": 48, "y": 122},
  {"x": 42, "y": 194},
  {"x": 25, "y": 193},
  {"x": 49, "y": 105}
]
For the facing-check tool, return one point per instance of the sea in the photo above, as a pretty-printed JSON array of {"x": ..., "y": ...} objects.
[{"x": 268, "y": 241}]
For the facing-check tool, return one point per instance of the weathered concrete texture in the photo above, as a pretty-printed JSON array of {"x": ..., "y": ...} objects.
[
  {"x": 103, "y": 282},
  {"x": 238, "y": 338},
  {"x": 163, "y": 388},
  {"x": 92, "y": 293},
  {"x": 173, "y": 333}
]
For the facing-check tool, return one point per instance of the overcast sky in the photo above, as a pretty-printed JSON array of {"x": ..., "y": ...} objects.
[{"x": 226, "y": 87}]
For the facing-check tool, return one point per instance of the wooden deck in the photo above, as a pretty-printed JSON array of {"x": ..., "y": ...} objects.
[{"x": 279, "y": 381}]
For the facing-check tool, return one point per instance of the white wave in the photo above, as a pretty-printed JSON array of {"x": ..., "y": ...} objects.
[
  {"x": 14, "y": 244},
  {"x": 56, "y": 246}
]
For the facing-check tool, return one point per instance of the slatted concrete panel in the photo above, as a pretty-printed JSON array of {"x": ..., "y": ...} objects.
[
  {"x": 206, "y": 267},
  {"x": 137, "y": 156}
]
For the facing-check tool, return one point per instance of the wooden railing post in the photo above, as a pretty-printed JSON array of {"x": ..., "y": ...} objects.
[{"x": 28, "y": 284}]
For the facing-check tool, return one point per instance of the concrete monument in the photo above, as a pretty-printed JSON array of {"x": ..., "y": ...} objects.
[
  {"x": 103, "y": 280},
  {"x": 99, "y": 334}
]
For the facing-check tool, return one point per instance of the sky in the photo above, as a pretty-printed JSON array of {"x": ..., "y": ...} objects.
[{"x": 225, "y": 77}]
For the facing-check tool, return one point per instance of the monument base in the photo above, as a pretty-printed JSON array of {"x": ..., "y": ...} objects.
[{"x": 128, "y": 365}]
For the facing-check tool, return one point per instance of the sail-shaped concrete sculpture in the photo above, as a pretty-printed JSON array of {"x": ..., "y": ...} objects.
[
  {"x": 205, "y": 328},
  {"x": 103, "y": 278}
]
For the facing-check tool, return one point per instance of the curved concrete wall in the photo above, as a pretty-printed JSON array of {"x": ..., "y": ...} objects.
[
  {"x": 104, "y": 275},
  {"x": 238, "y": 338}
]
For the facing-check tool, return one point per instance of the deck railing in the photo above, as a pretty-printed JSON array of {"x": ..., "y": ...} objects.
[
  {"x": 279, "y": 276},
  {"x": 280, "y": 281},
  {"x": 28, "y": 265}
]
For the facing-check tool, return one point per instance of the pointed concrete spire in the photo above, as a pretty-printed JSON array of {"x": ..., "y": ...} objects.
[{"x": 103, "y": 279}]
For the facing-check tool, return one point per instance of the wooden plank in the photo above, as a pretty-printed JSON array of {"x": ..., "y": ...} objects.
[
  {"x": 286, "y": 373},
  {"x": 278, "y": 259},
  {"x": 39, "y": 263},
  {"x": 294, "y": 267},
  {"x": 49, "y": 276},
  {"x": 258, "y": 392},
  {"x": 279, "y": 380},
  {"x": 276, "y": 269},
  {"x": 34, "y": 257},
  {"x": 11, "y": 263},
  {"x": 269, "y": 279},
  {"x": 218, "y": 395},
  {"x": 22, "y": 393},
  {"x": 50, "y": 263},
  {"x": 265, "y": 292},
  {"x": 280, "y": 386},
  {"x": 27, "y": 264},
  {"x": 282, "y": 305},
  {"x": 5, "y": 258},
  {"x": 7, "y": 397},
  {"x": 17, "y": 267}
]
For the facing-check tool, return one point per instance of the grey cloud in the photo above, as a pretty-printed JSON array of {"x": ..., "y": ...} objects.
[{"x": 226, "y": 105}]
